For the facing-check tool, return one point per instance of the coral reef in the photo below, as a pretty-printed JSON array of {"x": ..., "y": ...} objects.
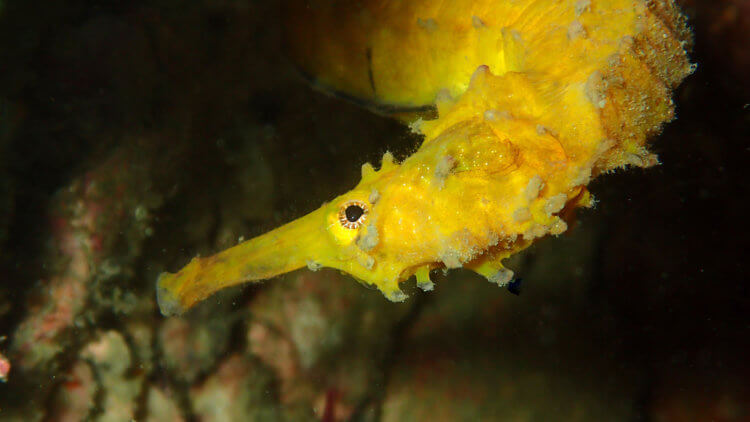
[{"x": 97, "y": 227}]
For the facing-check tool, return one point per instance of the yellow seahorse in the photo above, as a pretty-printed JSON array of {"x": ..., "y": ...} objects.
[{"x": 534, "y": 98}]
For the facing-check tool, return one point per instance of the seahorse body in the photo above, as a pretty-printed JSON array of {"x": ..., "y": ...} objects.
[{"x": 534, "y": 98}]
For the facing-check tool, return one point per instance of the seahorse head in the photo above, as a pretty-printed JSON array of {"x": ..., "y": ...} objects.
[{"x": 399, "y": 220}]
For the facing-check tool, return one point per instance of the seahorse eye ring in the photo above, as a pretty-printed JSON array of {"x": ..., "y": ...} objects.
[{"x": 353, "y": 214}]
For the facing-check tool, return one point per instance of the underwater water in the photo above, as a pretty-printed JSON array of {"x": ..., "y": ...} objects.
[{"x": 135, "y": 136}]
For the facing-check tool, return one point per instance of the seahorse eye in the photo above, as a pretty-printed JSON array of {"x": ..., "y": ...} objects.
[{"x": 353, "y": 214}]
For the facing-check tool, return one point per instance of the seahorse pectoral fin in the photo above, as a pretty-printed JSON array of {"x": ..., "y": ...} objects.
[{"x": 284, "y": 249}]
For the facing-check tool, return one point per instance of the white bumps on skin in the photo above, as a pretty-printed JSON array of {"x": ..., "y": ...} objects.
[
  {"x": 558, "y": 226},
  {"x": 451, "y": 260},
  {"x": 582, "y": 6},
  {"x": 423, "y": 279},
  {"x": 415, "y": 127},
  {"x": 370, "y": 239},
  {"x": 397, "y": 296},
  {"x": 493, "y": 115},
  {"x": 555, "y": 204},
  {"x": 583, "y": 177},
  {"x": 533, "y": 188},
  {"x": 522, "y": 214},
  {"x": 576, "y": 30},
  {"x": 313, "y": 266},
  {"x": 476, "y": 22},
  {"x": 426, "y": 286},
  {"x": 374, "y": 196},
  {"x": 442, "y": 170},
  {"x": 536, "y": 230},
  {"x": 595, "y": 89},
  {"x": 502, "y": 277},
  {"x": 644, "y": 160},
  {"x": 366, "y": 261},
  {"x": 457, "y": 249}
]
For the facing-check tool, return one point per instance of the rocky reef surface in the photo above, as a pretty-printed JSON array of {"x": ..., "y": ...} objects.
[{"x": 136, "y": 135}]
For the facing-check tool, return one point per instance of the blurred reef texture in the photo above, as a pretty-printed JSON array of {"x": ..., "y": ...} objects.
[{"x": 136, "y": 135}]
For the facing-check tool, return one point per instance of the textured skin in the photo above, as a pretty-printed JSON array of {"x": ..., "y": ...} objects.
[{"x": 534, "y": 98}]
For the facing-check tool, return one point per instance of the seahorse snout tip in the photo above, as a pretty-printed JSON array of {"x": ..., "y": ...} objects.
[{"x": 169, "y": 304}]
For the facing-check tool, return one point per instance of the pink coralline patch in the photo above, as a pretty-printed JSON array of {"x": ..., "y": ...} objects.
[
  {"x": 275, "y": 351},
  {"x": 219, "y": 397},
  {"x": 85, "y": 223},
  {"x": 319, "y": 335},
  {"x": 86, "y": 220},
  {"x": 188, "y": 348},
  {"x": 331, "y": 408},
  {"x": 231, "y": 372},
  {"x": 4, "y": 368},
  {"x": 162, "y": 406},
  {"x": 61, "y": 300},
  {"x": 99, "y": 350},
  {"x": 75, "y": 397},
  {"x": 174, "y": 340},
  {"x": 67, "y": 295}
]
